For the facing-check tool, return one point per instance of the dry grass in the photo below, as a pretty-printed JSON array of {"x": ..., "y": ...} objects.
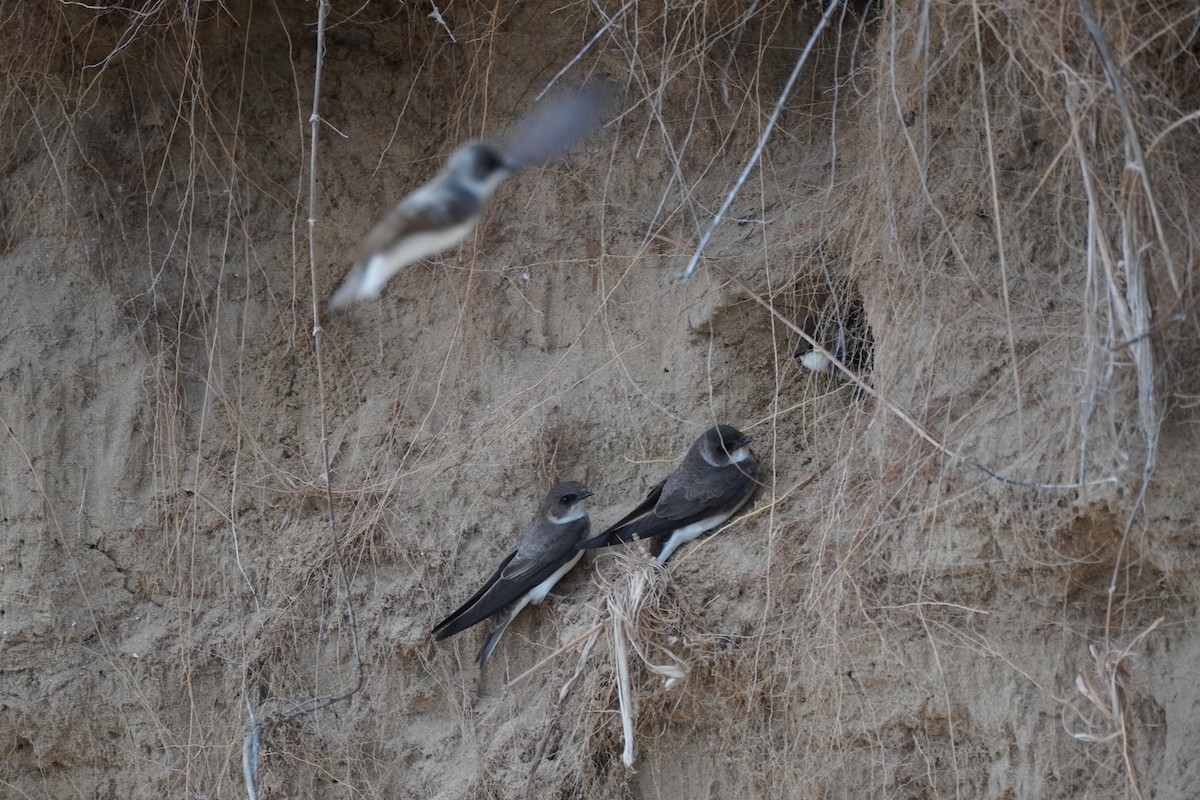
[
  {"x": 1010, "y": 189},
  {"x": 1117, "y": 223}
]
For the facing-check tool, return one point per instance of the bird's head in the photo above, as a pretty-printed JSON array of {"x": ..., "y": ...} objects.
[
  {"x": 479, "y": 166},
  {"x": 723, "y": 444},
  {"x": 566, "y": 502}
]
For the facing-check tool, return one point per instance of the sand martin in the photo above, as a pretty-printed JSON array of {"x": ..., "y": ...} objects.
[
  {"x": 844, "y": 335},
  {"x": 713, "y": 481},
  {"x": 527, "y": 575},
  {"x": 440, "y": 214}
]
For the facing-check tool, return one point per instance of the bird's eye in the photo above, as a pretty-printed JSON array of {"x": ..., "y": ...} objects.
[
  {"x": 569, "y": 499},
  {"x": 489, "y": 164}
]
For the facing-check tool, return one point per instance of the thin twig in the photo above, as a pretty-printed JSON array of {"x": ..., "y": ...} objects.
[
  {"x": 436, "y": 16},
  {"x": 998, "y": 225},
  {"x": 1137, "y": 160},
  {"x": 917, "y": 428},
  {"x": 563, "y": 694},
  {"x": 251, "y": 746},
  {"x": 772, "y": 121},
  {"x": 608, "y": 23},
  {"x": 553, "y": 655}
]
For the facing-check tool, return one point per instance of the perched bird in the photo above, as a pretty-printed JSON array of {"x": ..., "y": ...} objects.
[
  {"x": 713, "y": 481},
  {"x": 527, "y": 575},
  {"x": 440, "y": 214},
  {"x": 845, "y": 336}
]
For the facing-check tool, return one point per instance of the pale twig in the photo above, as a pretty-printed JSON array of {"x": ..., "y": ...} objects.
[
  {"x": 772, "y": 121},
  {"x": 554, "y": 655},
  {"x": 892, "y": 407},
  {"x": 1110, "y": 701},
  {"x": 608, "y": 23},
  {"x": 998, "y": 224},
  {"x": 436, "y": 16},
  {"x": 563, "y": 694},
  {"x": 1136, "y": 294},
  {"x": 624, "y": 684},
  {"x": 1137, "y": 160},
  {"x": 251, "y": 746},
  {"x": 738, "y": 33},
  {"x": 1187, "y": 41}
]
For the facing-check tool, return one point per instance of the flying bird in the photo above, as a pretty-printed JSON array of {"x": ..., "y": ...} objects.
[
  {"x": 438, "y": 215},
  {"x": 545, "y": 555},
  {"x": 713, "y": 481}
]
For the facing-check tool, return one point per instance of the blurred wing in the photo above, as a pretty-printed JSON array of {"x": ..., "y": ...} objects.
[{"x": 554, "y": 125}]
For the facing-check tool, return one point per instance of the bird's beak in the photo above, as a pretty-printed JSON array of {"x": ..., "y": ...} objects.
[
  {"x": 585, "y": 494},
  {"x": 746, "y": 440}
]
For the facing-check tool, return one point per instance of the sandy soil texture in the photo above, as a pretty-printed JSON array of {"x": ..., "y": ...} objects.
[{"x": 974, "y": 576}]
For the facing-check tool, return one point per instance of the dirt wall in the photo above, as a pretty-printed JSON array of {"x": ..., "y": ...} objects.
[{"x": 974, "y": 577}]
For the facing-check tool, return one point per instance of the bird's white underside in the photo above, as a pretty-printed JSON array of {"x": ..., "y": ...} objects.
[
  {"x": 815, "y": 361},
  {"x": 538, "y": 593},
  {"x": 688, "y": 532},
  {"x": 386, "y": 263}
]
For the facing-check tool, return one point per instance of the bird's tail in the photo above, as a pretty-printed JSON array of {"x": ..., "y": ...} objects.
[
  {"x": 493, "y": 637},
  {"x": 348, "y": 292}
]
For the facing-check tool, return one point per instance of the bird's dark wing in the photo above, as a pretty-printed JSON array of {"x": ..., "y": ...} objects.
[
  {"x": 614, "y": 534},
  {"x": 689, "y": 496},
  {"x": 534, "y": 560},
  {"x": 693, "y": 490},
  {"x": 700, "y": 486},
  {"x": 450, "y": 625}
]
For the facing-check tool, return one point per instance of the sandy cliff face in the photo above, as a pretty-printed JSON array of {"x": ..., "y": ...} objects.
[{"x": 888, "y": 620}]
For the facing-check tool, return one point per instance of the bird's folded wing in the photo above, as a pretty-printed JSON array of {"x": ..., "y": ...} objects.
[
  {"x": 451, "y": 624},
  {"x": 619, "y": 532},
  {"x": 516, "y": 575},
  {"x": 685, "y": 502},
  {"x": 698, "y": 494}
]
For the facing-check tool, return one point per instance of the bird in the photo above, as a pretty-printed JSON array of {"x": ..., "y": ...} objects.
[
  {"x": 845, "y": 336},
  {"x": 714, "y": 480},
  {"x": 439, "y": 214},
  {"x": 529, "y": 572},
  {"x": 434, "y": 218}
]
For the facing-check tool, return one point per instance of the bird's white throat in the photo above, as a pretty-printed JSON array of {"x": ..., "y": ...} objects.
[
  {"x": 741, "y": 454},
  {"x": 575, "y": 512}
]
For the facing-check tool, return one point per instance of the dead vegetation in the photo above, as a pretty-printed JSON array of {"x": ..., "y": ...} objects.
[{"x": 973, "y": 581}]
